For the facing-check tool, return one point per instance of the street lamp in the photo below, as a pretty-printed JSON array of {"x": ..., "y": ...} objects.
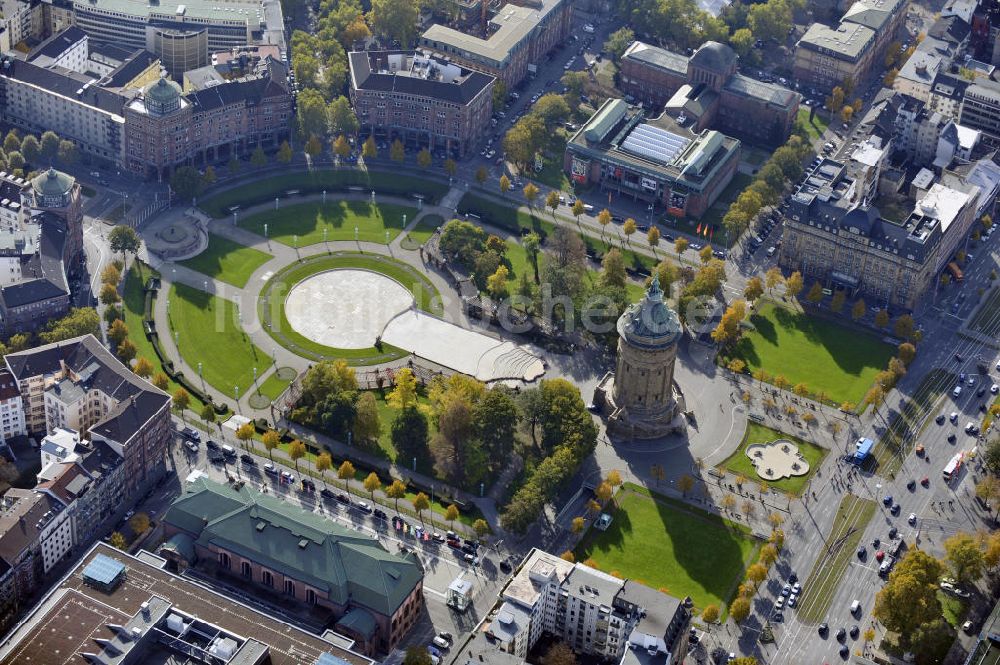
[
  {"x": 234, "y": 218},
  {"x": 404, "y": 220},
  {"x": 355, "y": 234},
  {"x": 265, "y": 230},
  {"x": 324, "y": 235},
  {"x": 236, "y": 396},
  {"x": 387, "y": 236},
  {"x": 177, "y": 337},
  {"x": 206, "y": 284},
  {"x": 414, "y": 465},
  {"x": 295, "y": 241},
  {"x": 202, "y": 377},
  {"x": 324, "y": 196},
  {"x": 275, "y": 202}
]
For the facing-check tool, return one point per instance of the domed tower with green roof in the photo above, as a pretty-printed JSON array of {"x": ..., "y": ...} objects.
[
  {"x": 162, "y": 96},
  {"x": 58, "y": 195},
  {"x": 641, "y": 399}
]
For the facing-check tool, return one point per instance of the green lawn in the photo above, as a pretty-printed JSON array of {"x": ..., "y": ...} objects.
[
  {"x": 210, "y": 333},
  {"x": 953, "y": 609},
  {"x": 318, "y": 180},
  {"x": 669, "y": 545},
  {"x": 853, "y": 516},
  {"x": 272, "y": 304},
  {"x": 228, "y": 261},
  {"x": 815, "y": 128},
  {"x": 740, "y": 464},
  {"x": 307, "y": 222},
  {"x": 422, "y": 232},
  {"x": 987, "y": 319},
  {"x": 827, "y": 357},
  {"x": 133, "y": 302},
  {"x": 386, "y": 414},
  {"x": 273, "y": 386}
]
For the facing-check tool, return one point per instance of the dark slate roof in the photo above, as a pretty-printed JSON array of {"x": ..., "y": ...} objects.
[
  {"x": 100, "y": 370},
  {"x": 8, "y": 385},
  {"x": 350, "y": 566},
  {"x": 132, "y": 66},
  {"x": 129, "y": 415},
  {"x": 55, "y": 45},
  {"x": 109, "y": 51},
  {"x": 44, "y": 272},
  {"x": 715, "y": 57},
  {"x": 269, "y": 80},
  {"x": 98, "y": 459},
  {"x": 19, "y": 526},
  {"x": 951, "y": 29},
  {"x": 63, "y": 82},
  {"x": 463, "y": 92}
]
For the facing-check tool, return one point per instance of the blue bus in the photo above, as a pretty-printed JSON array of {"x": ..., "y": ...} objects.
[{"x": 864, "y": 448}]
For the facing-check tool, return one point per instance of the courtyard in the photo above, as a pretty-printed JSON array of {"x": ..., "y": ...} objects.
[
  {"x": 671, "y": 546},
  {"x": 832, "y": 361}
]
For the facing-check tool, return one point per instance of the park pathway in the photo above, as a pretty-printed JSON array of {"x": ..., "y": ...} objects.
[{"x": 246, "y": 299}]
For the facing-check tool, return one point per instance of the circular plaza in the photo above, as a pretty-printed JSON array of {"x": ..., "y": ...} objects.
[{"x": 345, "y": 308}]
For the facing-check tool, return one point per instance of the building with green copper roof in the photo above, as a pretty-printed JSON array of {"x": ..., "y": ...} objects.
[{"x": 372, "y": 594}]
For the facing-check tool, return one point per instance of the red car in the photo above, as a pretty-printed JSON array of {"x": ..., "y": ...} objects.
[{"x": 879, "y": 556}]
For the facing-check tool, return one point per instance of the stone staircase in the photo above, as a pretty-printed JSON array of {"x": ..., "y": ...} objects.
[{"x": 509, "y": 361}]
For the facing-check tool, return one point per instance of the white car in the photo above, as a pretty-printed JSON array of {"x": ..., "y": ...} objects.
[
  {"x": 957, "y": 391},
  {"x": 912, "y": 519},
  {"x": 971, "y": 381},
  {"x": 780, "y": 603},
  {"x": 440, "y": 642},
  {"x": 995, "y": 389},
  {"x": 792, "y": 600},
  {"x": 796, "y": 588}
]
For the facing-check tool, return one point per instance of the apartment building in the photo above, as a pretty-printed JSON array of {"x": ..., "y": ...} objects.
[
  {"x": 11, "y": 408},
  {"x": 594, "y": 613},
  {"x": 368, "y": 594},
  {"x": 827, "y": 56},
  {"x": 655, "y": 160},
  {"x": 833, "y": 236},
  {"x": 707, "y": 90},
  {"x": 520, "y": 35},
  {"x": 35, "y": 534},
  {"x": 421, "y": 99},
  {"x": 78, "y": 381}
]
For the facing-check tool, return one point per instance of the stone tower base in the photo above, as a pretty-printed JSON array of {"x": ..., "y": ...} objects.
[{"x": 622, "y": 423}]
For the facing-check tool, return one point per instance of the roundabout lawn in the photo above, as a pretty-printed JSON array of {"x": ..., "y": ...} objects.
[
  {"x": 271, "y": 306},
  {"x": 741, "y": 465},
  {"x": 338, "y": 218},
  {"x": 227, "y": 261},
  {"x": 209, "y": 333},
  {"x": 823, "y": 355}
]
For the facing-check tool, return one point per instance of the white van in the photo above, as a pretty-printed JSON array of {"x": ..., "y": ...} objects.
[
  {"x": 855, "y": 608},
  {"x": 957, "y": 391},
  {"x": 228, "y": 451}
]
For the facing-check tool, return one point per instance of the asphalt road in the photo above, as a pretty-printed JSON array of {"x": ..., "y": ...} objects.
[{"x": 941, "y": 509}]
